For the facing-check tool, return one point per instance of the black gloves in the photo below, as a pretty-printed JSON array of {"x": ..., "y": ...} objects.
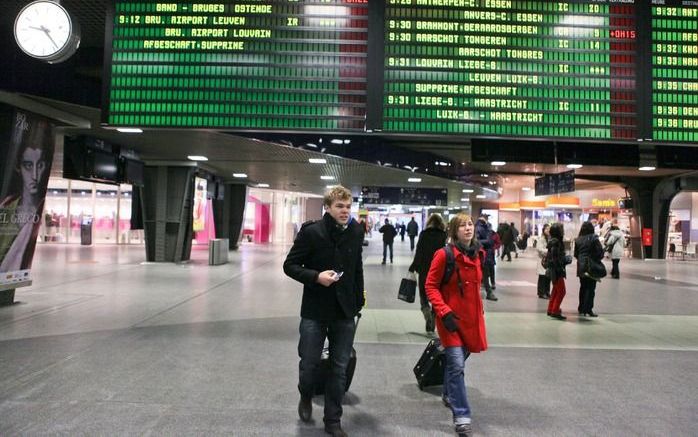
[{"x": 449, "y": 321}]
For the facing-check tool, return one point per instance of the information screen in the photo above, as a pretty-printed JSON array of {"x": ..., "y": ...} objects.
[
  {"x": 675, "y": 72},
  {"x": 272, "y": 64},
  {"x": 501, "y": 68}
]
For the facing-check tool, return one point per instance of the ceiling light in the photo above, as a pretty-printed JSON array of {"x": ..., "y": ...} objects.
[
  {"x": 329, "y": 186},
  {"x": 327, "y": 178},
  {"x": 414, "y": 180},
  {"x": 647, "y": 168},
  {"x": 197, "y": 158},
  {"x": 498, "y": 163},
  {"x": 262, "y": 185},
  {"x": 465, "y": 199},
  {"x": 347, "y": 141},
  {"x": 314, "y": 146},
  {"x": 317, "y": 160},
  {"x": 129, "y": 130},
  {"x": 526, "y": 188},
  {"x": 239, "y": 175},
  {"x": 480, "y": 196},
  {"x": 467, "y": 190},
  {"x": 337, "y": 141},
  {"x": 485, "y": 175},
  {"x": 574, "y": 166}
]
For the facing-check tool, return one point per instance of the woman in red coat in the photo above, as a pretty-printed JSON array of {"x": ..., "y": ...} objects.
[{"x": 459, "y": 312}]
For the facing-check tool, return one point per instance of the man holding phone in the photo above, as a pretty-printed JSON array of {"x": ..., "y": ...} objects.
[{"x": 326, "y": 259}]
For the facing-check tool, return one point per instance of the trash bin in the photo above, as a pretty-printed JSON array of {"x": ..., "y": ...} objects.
[
  {"x": 217, "y": 251},
  {"x": 86, "y": 230}
]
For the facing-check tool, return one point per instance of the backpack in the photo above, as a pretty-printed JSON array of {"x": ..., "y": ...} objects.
[{"x": 451, "y": 263}]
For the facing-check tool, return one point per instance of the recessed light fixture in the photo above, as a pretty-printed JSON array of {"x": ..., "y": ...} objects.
[
  {"x": 317, "y": 160},
  {"x": 329, "y": 186},
  {"x": 347, "y": 141},
  {"x": 647, "y": 168},
  {"x": 414, "y": 180},
  {"x": 337, "y": 141},
  {"x": 262, "y": 185},
  {"x": 327, "y": 178},
  {"x": 526, "y": 188},
  {"x": 498, "y": 163},
  {"x": 240, "y": 175},
  {"x": 485, "y": 175},
  {"x": 468, "y": 190},
  {"x": 465, "y": 199},
  {"x": 574, "y": 166},
  {"x": 197, "y": 158},
  {"x": 480, "y": 196},
  {"x": 129, "y": 130}
]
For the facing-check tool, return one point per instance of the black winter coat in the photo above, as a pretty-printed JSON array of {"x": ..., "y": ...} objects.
[
  {"x": 430, "y": 240},
  {"x": 585, "y": 247},
  {"x": 321, "y": 246},
  {"x": 389, "y": 232},
  {"x": 557, "y": 259}
]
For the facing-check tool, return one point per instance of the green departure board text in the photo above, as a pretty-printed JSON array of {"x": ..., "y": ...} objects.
[
  {"x": 510, "y": 68},
  {"x": 272, "y": 64},
  {"x": 675, "y": 72}
]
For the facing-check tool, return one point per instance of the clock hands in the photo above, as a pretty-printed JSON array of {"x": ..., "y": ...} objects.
[{"x": 47, "y": 32}]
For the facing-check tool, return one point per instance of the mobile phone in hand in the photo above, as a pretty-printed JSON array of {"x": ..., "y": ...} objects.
[{"x": 337, "y": 275}]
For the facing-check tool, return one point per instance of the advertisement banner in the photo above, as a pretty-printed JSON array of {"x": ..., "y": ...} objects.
[
  {"x": 200, "y": 204},
  {"x": 26, "y": 155}
]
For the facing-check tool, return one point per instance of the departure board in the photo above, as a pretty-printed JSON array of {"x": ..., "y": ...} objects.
[
  {"x": 250, "y": 64},
  {"x": 675, "y": 71},
  {"x": 510, "y": 68}
]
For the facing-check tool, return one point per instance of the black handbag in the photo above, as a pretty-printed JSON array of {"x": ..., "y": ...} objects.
[
  {"x": 595, "y": 270},
  {"x": 408, "y": 288}
]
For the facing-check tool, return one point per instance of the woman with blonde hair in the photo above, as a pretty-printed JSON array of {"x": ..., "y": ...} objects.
[
  {"x": 459, "y": 312},
  {"x": 431, "y": 239}
]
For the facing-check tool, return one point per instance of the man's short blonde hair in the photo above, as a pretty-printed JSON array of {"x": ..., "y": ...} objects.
[{"x": 336, "y": 193}]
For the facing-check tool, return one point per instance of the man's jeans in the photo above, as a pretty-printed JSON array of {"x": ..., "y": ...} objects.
[
  {"x": 386, "y": 247},
  {"x": 454, "y": 383},
  {"x": 312, "y": 339}
]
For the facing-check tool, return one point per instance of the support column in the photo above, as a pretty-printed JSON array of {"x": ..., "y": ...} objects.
[
  {"x": 168, "y": 197},
  {"x": 653, "y": 198},
  {"x": 229, "y": 213}
]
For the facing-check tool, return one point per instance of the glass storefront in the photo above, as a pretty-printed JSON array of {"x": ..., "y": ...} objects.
[{"x": 71, "y": 206}]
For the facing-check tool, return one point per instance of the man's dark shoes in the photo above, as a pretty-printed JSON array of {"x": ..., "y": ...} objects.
[
  {"x": 464, "y": 430},
  {"x": 383, "y": 262},
  {"x": 592, "y": 314},
  {"x": 305, "y": 408},
  {"x": 492, "y": 297},
  {"x": 335, "y": 430}
]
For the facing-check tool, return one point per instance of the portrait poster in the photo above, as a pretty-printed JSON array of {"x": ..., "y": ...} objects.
[
  {"x": 26, "y": 155},
  {"x": 200, "y": 190}
]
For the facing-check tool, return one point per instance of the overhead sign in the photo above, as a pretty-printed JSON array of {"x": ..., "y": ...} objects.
[
  {"x": 404, "y": 196},
  {"x": 555, "y": 183}
]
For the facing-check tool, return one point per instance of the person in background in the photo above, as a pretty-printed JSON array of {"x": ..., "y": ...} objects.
[
  {"x": 542, "y": 249},
  {"x": 412, "y": 231},
  {"x": 326, "y": 259},
  {"x": 514, "y": 239},
  {"x": 389, "y": 234},
  {"x": 587, "y": 247},
  {"x": 402, "y": 228},
  {"x": 484, "y": 235},
  {"x": 507, "y": 237},
  {"x": 615, "y": 245},
  {"x": 557, "y": 262},
  {"x": 459, "y": 311},
  {"x": 431, "y": 239}
]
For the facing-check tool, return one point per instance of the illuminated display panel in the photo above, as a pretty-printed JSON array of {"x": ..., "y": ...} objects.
[
  {"x": 275, "y": 64},
  {"x": 510, "y": 68},
  {"x": 675, "y": 72}
]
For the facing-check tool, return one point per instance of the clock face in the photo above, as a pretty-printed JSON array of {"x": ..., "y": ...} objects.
[{"x": 44, "y": 30}]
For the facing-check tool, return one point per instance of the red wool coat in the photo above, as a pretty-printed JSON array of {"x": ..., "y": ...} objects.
[{"x": 466, "y": 306}]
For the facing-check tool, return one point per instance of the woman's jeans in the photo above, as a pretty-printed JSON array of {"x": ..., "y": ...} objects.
[
  {"x": 587, "y": 292},
  {"x": 341, "y": 338},
  {"x": 615, "y": 273},
  {"x": 454, "y": 383},
  {"x": 558, "y": 294}
]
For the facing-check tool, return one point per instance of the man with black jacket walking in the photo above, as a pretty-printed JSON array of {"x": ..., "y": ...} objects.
[
  {"x": 389, "y": 232},
  {"x": 412, "y": 231},
  {"x": 326, "y": 259}
]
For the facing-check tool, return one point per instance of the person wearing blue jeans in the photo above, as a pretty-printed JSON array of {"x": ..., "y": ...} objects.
[
  {"x": 459, "y": 312},
  {"x": 326, "y": 259},
  {"x": 454, "y": 392}
]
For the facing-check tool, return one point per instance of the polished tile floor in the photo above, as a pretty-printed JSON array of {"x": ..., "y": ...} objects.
[{"x": 105, "y": 344}]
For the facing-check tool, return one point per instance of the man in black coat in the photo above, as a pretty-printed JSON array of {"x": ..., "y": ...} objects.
[
  {"x": 389, "y": 232},
  {"x": 326, "y": 259},
  {"x": 412, "y": 231}
]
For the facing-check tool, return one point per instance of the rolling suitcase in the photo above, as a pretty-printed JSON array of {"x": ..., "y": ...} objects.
[
  {"x": 324, "y": 369},
  {"x": 430, "y": 367}
]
